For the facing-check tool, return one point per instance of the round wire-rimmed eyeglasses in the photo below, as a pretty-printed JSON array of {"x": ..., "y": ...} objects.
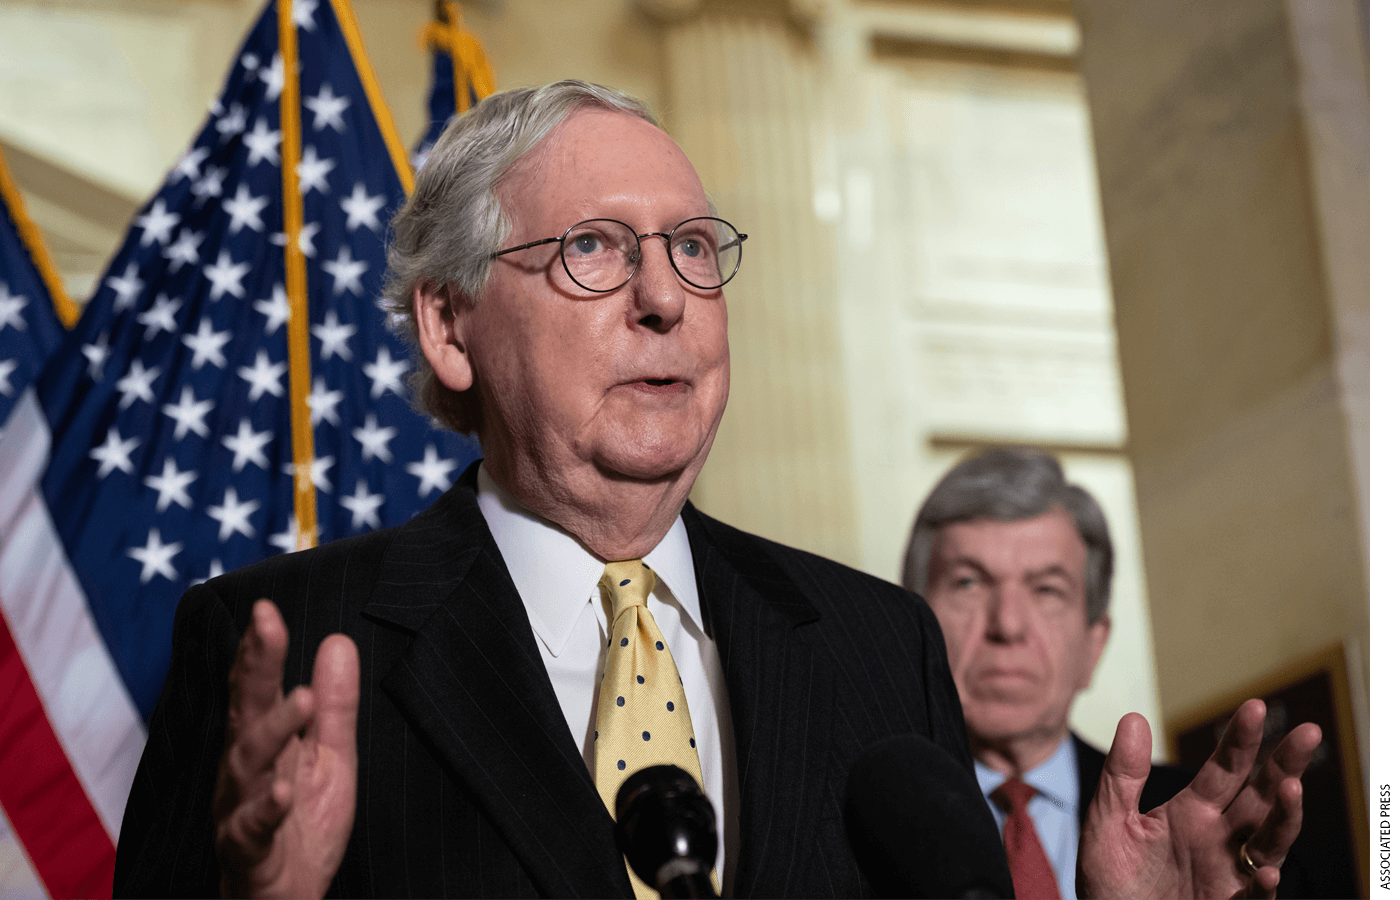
[{"x": 601, "y": 255}]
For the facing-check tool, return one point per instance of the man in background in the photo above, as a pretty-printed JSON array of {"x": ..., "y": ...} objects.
[{"x": 1017, "y": 564}]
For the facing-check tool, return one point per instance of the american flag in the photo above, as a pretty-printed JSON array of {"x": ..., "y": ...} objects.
[
  {"x": 43, "y": 651},
  {"x": 220, "y": 364},
  {"x": 461, "y": 74},
  {"x": 34, "y": 307}
]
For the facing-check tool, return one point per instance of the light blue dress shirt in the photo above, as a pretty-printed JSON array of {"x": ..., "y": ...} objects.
[{"x": 1054, "y": 809}]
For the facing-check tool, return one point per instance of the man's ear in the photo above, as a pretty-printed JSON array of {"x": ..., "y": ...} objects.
[
  {"x": 439, "y": 335},
  {"x": 1098, "y": 639}
]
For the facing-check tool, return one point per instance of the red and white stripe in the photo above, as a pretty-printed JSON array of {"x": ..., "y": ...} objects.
[{"x": 70, "y": 736}]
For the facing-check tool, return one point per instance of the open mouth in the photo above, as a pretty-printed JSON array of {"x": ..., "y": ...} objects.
[{"x": 660, "y": 382}]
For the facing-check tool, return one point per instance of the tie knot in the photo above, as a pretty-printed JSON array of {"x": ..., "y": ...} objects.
[
  {"x": 1013, "y": 794},
  {"x": 625, "y": 584}
]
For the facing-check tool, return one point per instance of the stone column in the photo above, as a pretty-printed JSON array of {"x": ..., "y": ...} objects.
[{"x": 742, "y": 97}]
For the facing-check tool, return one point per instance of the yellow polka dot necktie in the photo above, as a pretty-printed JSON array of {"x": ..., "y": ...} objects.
[{"x": 643, "y": 719}]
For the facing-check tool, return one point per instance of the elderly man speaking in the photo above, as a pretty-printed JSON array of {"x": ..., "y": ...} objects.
[{"x": 483, "y": 678}]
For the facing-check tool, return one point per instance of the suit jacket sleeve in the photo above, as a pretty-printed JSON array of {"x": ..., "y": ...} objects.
[{"x": 166, "y": 846}]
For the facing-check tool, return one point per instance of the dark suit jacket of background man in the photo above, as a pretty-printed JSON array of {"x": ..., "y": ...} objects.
[{"x": 469, "y": 782}]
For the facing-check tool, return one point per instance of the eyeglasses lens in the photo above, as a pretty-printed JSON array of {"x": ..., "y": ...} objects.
[
  {"x": 600, "y": 253},
  {"x": 705, "y": 251}
]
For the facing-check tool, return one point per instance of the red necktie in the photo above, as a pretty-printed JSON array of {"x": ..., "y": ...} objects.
[{"x": 1031, "y": 873}]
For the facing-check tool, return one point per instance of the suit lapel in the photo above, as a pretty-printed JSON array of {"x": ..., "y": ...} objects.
[
  {"x": 473, "y": 684},
  {"x": 777, "y": 699}
]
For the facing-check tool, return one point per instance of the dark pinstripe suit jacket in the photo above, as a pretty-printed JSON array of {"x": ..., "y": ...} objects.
[{"x": 469, "y": 781}]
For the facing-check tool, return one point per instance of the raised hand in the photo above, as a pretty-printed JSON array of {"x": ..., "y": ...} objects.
[
  {"x": 1190, "y": 846},
  {"x": 285, "y": 797}
]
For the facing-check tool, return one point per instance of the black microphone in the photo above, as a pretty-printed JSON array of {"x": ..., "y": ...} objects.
[
  {"x": 666, "y": 826},
  {"x": 919, "y": 826}
]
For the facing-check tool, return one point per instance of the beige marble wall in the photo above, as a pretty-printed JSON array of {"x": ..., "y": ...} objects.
[{"x": 1233, "y": 172}]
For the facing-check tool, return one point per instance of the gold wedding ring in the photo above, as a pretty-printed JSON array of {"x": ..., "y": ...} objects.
[{"x": 1245, "y": 861}]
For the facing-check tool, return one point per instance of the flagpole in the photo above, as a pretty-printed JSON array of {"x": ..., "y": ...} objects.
[{"x": 298, "y": 337}]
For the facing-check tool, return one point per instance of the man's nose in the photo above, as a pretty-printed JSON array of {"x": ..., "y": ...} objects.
[
  {"x": 659, "y": 296},
  {"x": 1007, "y": 614}
]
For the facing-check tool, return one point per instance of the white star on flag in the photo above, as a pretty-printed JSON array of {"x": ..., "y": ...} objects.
[
  {"x": 302, "y": 11},
  {"x": 156, "y": 224},
  {"x": 309, "y": 230},
  {"x": 385, "y": 374},
  {"x": 274, "y": 76},
  {"x": 364, "y": 506},
  {"x": 346, "y": 272},
  {"x": 275, "y": 308},
  {"x": 226, "y": 277},
  {"x": 286, "y": 541},
  {"x": 114, "y": 453},
  {"x": 188, "y": 166},
  {"x": 247, "y": 446},
  {"x": 155, "y": 557},
  {"x": 184, "y": 250},
  {"x": 170, "y": 485},
  {"x": 333, "y": 337},
  {"x": 7, "y": 368},
  {"x": 234, "y": 121},
  {"x": 318, "y": 470},
  {"x": 431, "y": 471},
  {"x": 263, "y": 376},
  {"x": 262, "y": 144},
  {"x": 245, "y": 210},
  {"x": 189, "y": 413},
  {"x": 328, "y": 109},
  {"x": 362, "y": 210},
  {"x": 136, "y": 384},
  {"x": 127, "y": 286},
  {"x": 160, "y": 317},
  {"x": 312, "y": 171},
  {"x": 210, "y": 185},
  {"x": 374, "y": 440},
  {"x": 11, "y": 305},
  {"x": 323, "y": 403},
  {"x": 97, "y": 354},
  {"x": 207, "y": 344},
  {"x": 216, "y": 568},
  {"x": 232, "y": 515}
]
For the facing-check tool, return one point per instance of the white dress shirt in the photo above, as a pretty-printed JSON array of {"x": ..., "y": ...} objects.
[
  {"x": 1054, "y": 809},
  {"x": 557, "y": 579}
]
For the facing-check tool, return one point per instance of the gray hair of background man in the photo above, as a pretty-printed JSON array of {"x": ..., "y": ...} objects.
[
  {"x": 453, "y": 222},
  {"x": 1008, "y": 484}
]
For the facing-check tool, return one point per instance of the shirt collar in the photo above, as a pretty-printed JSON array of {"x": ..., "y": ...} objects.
[
  {"x": 1056, "y": 779},
  {"x": 557, "y": 577}
]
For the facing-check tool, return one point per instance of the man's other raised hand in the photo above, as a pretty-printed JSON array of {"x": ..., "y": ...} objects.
[
  {"x": 284, "y": 801},
  {"x": 1190, "y": 846}
]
